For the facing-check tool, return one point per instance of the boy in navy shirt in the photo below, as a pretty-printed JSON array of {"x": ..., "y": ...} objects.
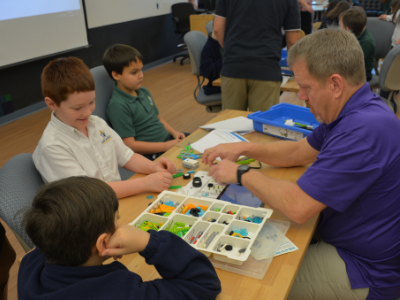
[{"x": 73, "y": 223}]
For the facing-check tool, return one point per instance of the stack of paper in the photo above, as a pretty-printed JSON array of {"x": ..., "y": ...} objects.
[
  {"x": 215, "y": 138},
  {"x": 240, "y": 125}
]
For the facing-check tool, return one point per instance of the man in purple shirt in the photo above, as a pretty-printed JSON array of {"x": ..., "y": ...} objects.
[{"x": 354, "y": 182}]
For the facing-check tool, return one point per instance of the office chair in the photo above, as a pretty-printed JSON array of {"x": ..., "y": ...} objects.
[
  {"x": 389, "y": 78},
  {"x": 195, "y": 41},
  {"x": 104, "y": 86},
  {"x": 382, "y": 32},
  {"x": 19, "y": 182},
  {"x": 181, "y": 16},
  {"x": 210, "y": 27},
  {"x": 372, "y": 8}
]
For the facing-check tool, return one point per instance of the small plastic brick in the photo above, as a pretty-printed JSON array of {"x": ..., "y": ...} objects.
[
  {"x": 228, "y": 248},
  {"x": 191, "y": 172},
  {"x": 169, "y": 203},
  {"x": 174, "y": 187},
  {"x": 149, "y": 197},
  {"x": 186, "y": 176},
  {"x": 179, "y": 171},
  {"x": 177, "y": 175}
]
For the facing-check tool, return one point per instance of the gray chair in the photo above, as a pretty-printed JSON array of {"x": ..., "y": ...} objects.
[
  {"x": 195, "y": 41},
  {"x": 389, "y": 79},
  {"x": 210, "y": 27},
  {"x": 19, "y": 182},
  {"x": 382, "y": 32},
  {"x": 104, "y": 86}
]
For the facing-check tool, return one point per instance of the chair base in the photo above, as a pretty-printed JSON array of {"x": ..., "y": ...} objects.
[{"x": 184, "y": 56}]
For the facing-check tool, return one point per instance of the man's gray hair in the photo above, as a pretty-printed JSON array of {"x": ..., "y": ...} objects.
[{"x": 331, "y": 51}]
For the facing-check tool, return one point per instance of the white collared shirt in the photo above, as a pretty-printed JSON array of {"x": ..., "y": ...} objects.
[{"x": 63, "y": 151}]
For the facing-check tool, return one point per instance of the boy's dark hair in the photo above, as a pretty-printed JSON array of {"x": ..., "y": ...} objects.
[
  {"x": 395, "y": 5},
  {"x": 355, "y": 19},
  {"x": 119, "y": 56},
  {"x": 67, "y": 217},
  {"x": 64, "y": 76},
  {"x": 339, "y": 8}
]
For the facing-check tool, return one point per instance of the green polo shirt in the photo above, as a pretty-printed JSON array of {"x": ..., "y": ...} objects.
[
  {"x": 136, "y": 117},
  {"x": 367, "y": 44},
  {"x": 386, "y": 10}
]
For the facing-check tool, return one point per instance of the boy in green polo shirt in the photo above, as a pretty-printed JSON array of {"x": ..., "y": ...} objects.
[
  {"x": 355, "y": 21},
  {"x": 132, "y": 111}
]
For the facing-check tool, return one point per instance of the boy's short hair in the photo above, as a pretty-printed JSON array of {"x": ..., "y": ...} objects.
[
  {"x": 67, "y": 217},
  {"x": 64, "y": 76},
  {"x": 355, "y": 19},
  {"x": 119, "y": 56}
]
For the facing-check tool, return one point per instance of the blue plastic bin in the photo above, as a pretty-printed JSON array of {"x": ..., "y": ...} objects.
[{"x": 272, "y": 121}]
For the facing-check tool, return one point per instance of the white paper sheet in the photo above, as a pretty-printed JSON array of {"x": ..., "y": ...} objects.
[
  {"x": 286, "y": 247},
  {"x": 215, "y": 138},
  {"x": 239, "y": 124}
]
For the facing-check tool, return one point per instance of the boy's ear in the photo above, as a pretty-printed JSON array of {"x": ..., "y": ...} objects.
[
  {"x": 50, "y": 103},
  {"x": 101, "y": 242},
  {"x": 115, "y": 75}
]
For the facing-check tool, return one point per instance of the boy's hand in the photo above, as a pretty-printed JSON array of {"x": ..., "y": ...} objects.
[
  {"x": 382, "y": 17},
  {"x": 178, "y": 135},
  {"x": 157, "y": 182},
  {"x": 164, "y": 164},
  {"x": 125, "y": 240}
]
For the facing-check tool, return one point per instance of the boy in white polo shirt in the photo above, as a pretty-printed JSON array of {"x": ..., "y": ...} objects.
[{"x": 75, "y": 143}]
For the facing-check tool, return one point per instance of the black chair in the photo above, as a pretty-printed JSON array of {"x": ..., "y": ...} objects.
[
  {"x": 181, "y": 16},
  {"x": 373, "y": 8}
]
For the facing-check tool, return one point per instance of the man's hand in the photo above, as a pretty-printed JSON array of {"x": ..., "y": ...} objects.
[
  {"x": 382, "y": 17},
  {"x": 157, "y": 182},
  {"x": 224, "y": 172},
  {"x": 126, "y": 239},
  {"x": 178, "y": 135},
  {"x": 230, "y": 151},
  {"x": 164, "y": 164}
]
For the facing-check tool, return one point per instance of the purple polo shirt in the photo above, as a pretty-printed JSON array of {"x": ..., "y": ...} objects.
[{"x": 357, "y": 175}]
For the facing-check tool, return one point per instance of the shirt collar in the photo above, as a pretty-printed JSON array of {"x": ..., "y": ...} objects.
[
  {"x": 66, "y": 128},
  {"x": 355, "y": 101},
  {"x": 126, "y": 96}
]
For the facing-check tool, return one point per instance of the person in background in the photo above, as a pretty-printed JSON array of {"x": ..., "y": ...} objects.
[
  {"x": 306, "y": 11},
  {"x": 394, "y": 17},
  {"x": 331, "y": 5},
  {"x": 194, "y": 2},
  {"x": 386, "y": 9},
  {"x": 211, "y": 63},
  {"x": 7, "y": 258},
  {"x": 332, "y": 17},
  {"x": 354, "y": 20}
]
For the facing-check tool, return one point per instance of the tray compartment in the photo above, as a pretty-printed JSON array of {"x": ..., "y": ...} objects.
[
  {"x": 217, "y": 207},
  {"x": 210, "y": 236},
  {"x": 243, "y": 230},
  {"x": 178, "y": 223},
  {"x": 190, "y": 203},
  {"x": 210, "y": 215},
  {"x": 225, "y": 218},
  {"x": 232, "y": 250},
  {"x": 252, "y": 215},
  {"x": 146, "y": 217}
]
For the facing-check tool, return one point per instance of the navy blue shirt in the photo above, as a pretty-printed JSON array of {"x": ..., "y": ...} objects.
[
  {"x": 357, "y": 175},
  {"x": 253, "y": 37},
  {"x": 186, "y": 273}
]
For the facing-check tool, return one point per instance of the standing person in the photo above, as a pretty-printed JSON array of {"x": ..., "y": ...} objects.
[
  {"x": 194, "y": 2},
  {"x": 306, "y": 11},
  {"x": 250, "y": 33}
]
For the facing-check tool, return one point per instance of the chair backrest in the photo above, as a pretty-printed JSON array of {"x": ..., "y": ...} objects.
[
  {"x": 371, "y": 5},
  {"x": 181, "y": 15},
  {"x": 104, "y": 86},
  {"x": 382, "y": 32},
  {"x": 195, "y": 41},
  {"x": 389, "y": 77},
  {"x": 210, "y": 27},
  {"x": 19, "y": 182}
]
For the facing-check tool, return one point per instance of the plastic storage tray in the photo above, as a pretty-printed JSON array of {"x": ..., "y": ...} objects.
[
  {"x": 283, "y": 63},
  {"x": 272, "y": 121},
  {"x": 269, "y": 239},
  {"x": 220, "y": 229}
]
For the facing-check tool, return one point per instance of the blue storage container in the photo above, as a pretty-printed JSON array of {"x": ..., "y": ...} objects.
[
  {"x": 283, "y": 63},
  {"x": 272, "y": 121}
]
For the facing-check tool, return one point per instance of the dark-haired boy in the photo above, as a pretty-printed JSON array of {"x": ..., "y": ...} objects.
[
  {"x": 75, "y": 143},
  {"x": 354, "y": 20},
  {"x": 132, "y": 111},
  {"x": 73, "y": 223}
]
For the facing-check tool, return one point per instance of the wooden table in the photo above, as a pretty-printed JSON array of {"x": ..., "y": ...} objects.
[
  {"x": 290, "y": 86},
  {"x": 280, "y": 276},
  {"x": 198, "y": 22}
]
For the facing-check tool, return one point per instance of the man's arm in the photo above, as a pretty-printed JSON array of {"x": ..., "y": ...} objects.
[
  {"x": 280, "y": 154},
  {"x": 219, "y": 29},
  {"x": 291, "y": 38},
  {"x": 284, "y": 196}
]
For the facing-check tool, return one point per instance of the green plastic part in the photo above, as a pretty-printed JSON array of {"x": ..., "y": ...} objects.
[
  {"x": 177, "y": 175},
  {"x": 174, "y": 187}
]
